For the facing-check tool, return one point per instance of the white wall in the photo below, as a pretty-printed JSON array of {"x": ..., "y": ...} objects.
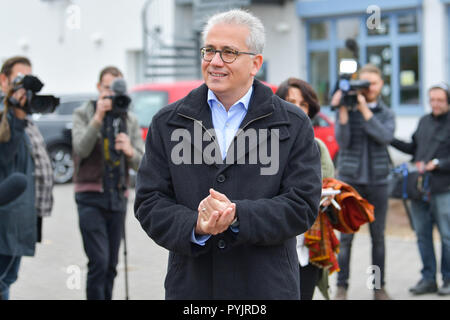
[
  {"x": 67, "y": 59},
  {"x": 434, "y": 46},
  {"x": 434, "y": 63},
  {"x": 284, "y": 49}
]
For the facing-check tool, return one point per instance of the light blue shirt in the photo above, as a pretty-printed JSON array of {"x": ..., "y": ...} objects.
[{"x": 226, "y": 124}]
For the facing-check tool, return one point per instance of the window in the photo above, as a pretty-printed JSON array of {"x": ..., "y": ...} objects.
[
  {"x": 409, "y": 75},
  {"x": 394, "y": 46},
  {"x": 347, "y": 28},
  {"x": 319, "y": 69},
  {"x": 318, "y": 31},
  {"x": 146, "y": 104},
  {"x": 407, "y": 23},
  {"x": 382, "y": 29},
  {"x": 381, "y": 56},
  {"x": 67, "y": 108}
]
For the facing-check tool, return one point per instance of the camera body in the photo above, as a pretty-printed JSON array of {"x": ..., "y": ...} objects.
[
  {"x": 120, "y": 100},
  {"x": 348, "y": 85},
  {"x": 120, "y": 104},
  {"x": 35, "y": 103},
  {"x": 350, "y": 89}
]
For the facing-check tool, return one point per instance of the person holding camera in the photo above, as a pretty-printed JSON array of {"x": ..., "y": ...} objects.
[
  {"x": 106, "y": 142},
  {"x": 363, "y": 134},
  {"x": 22, "y": 151},
  {"x": 430, "y": 147}
]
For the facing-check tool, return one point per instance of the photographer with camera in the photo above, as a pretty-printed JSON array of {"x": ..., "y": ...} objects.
[
  {"x": 106, "y": 142},
  {"x": 22, "y": 154},
  {"x": 363, "y": 133}
]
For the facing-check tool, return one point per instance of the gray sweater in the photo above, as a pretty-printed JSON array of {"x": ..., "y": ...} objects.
[{"x": 363, "y": 156}]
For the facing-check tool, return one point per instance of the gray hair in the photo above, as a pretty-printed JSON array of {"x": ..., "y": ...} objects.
[{"x": 256, "y": 38}]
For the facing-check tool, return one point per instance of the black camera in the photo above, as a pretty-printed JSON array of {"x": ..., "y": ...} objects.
[
  {"x": 120, "y": 100},
  {"x": 35, "y": 103},
  {"x": 349, "y": 86}
]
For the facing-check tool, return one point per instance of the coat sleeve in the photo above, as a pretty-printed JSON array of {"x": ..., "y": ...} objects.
[
  {"x": 406, "y": 147},
  {"x": 137, "y": 143},
  {"x": 342, "y": 132},
  {"x": 381, "y": 131},
  {"x": 295, "y": 208},
  {"x": 8, "y": 150},
  {"x": 169, "y": 224},
  {"x": 84, "y": 132}
]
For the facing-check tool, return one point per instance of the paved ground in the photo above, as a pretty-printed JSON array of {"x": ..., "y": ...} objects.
[{"x": 58, "y": 271}]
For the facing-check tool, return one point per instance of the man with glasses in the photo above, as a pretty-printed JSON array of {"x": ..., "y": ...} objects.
[
  {"x": 230, "y": 226},
  {"x": 102, "y": 157}
]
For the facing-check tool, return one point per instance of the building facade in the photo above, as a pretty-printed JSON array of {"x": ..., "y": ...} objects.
[{"x": 69, "y": 41}]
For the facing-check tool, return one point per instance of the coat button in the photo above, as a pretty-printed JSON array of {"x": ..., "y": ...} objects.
[
  {"x": 221, "y": 244},
  {"x": 221, "y": 178}
]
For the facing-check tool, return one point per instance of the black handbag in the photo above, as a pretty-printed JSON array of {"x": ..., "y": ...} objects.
[{"x": 407, "y": 183}]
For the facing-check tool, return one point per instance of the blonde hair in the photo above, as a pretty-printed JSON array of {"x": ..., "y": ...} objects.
[{"x": 370, "y": 68}]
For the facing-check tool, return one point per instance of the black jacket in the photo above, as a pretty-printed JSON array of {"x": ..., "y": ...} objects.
[
  {"x": 431, "y": 140},
  {"x": 363, "y": 156},
  {"x": 260, "y": 261}
]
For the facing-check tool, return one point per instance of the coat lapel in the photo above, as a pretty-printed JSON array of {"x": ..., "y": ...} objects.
[{"x": 194, "y": 114}]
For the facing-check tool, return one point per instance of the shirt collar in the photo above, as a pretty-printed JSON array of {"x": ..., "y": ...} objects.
[
  {"x": 372, "y": 105},
  {"x": 245, "y": 100}
]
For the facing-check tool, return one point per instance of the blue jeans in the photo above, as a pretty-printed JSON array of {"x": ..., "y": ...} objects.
[
  {"x": 377, "y": 195},
  {"x": 9, "y": 269},
  {"x": 424, "y": 215}
]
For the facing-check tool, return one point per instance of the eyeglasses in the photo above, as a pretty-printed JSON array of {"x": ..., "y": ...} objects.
[{"x": 227, "y": 55}]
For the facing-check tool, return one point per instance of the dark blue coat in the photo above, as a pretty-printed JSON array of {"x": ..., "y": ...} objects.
[
  {"x": 18, "y": 219},
  {"x": 260, "y": 261}
]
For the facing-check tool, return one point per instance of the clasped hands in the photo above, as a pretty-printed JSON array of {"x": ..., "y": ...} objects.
[{"x": 215, "y": 214}]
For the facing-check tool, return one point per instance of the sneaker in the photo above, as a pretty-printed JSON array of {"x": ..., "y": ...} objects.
[
  {"x": 341, "y": 293},
  {"x": 445, "y": 289},
  {"x": 424, "y": 286},
  {"x": 381, "y": 294}
]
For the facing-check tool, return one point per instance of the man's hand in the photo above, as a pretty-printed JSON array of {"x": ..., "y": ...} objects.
[
  {"x": 20, "y": 95},
  {"x": 103, "y": 106},
  {"x": 215, "y": 214},
  {"x": 430, "y": 166},
  {"x": 343, "y": 111},
  {"x": 420, "y": 165},
  {"x": 123, "y": 143},
  {"x": 363, "y": 107},
  {"x": 336, "y": 99}
]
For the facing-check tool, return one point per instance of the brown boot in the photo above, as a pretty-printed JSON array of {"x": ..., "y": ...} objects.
[
  {"x": 341, "y": 293},
  {"x": 380, "y": 294}
]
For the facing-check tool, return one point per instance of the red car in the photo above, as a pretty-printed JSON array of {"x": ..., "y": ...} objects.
[
  {"x": 149, "y": 98},
  {"x": 324, "y": 130}
]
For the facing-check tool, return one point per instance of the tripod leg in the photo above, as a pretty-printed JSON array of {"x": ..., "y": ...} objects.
[{"x": 125, "y": 255}]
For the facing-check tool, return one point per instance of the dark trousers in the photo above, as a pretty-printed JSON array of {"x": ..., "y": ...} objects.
[
  {"x": 9, "y": 270},
  {"x": 377, "y": 195},
  {"x": 309, "y": 276},
  {"x": 102, "y": 231}
]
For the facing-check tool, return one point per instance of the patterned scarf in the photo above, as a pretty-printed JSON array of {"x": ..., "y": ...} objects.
[{"x": 43, "y": 171}]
